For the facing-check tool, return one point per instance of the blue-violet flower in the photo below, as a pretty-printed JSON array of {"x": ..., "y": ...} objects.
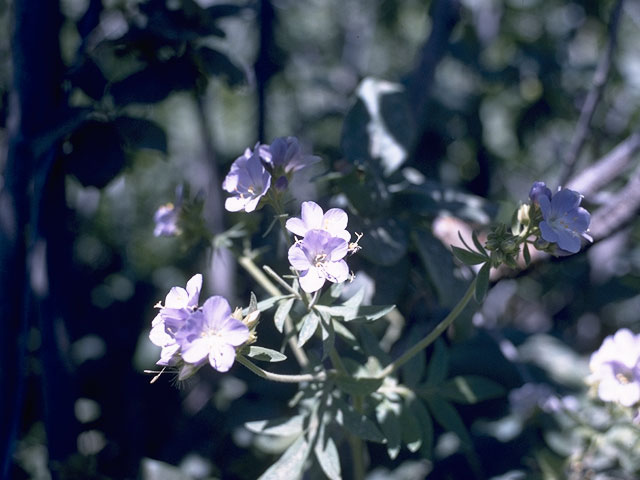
[
  {"x": 334, "y": 221},
  {"x": 284, "y": 154},
  {"x": 166, "y": 220},
  {"x": 615, "y": 368},
  {"x": 178, "y": 306},
  {"x": 212, "y": 333},
  {"x": 564, "y": 220},
  {"x": 539, "y": 189},
  {"x": 248, "y": 181},
  {"x": 319, "y": 257}
]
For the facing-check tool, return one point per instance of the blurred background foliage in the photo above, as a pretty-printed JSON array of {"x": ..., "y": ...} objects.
[{"x": 476, "y": 98}]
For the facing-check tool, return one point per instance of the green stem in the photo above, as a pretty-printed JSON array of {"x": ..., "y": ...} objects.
[
  {"x": 336, "y": 361},
  {"x": 357, "y": 445},
  {"x": 277, "y": 377},
  {"x": 432, "y": 336},
  {"x": 282, "y": 283}
]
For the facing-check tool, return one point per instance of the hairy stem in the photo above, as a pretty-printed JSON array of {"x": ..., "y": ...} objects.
[{"x": 432, "y": 336}]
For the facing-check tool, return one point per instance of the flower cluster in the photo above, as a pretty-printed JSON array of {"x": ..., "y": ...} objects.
[
  {"x": 192, "y": 335},
  {"x": 252, "y": 174},
  {"x": 564, "y": 222},
  {"x": 615, "y": 368},
  {"x": 324, "y": 242}
]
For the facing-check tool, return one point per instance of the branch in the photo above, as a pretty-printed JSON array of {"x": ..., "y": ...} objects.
[
  {"x": 619, "y": 211},
  {"x": 593, "y": 97},
  {"x": 593, "y": 178}
]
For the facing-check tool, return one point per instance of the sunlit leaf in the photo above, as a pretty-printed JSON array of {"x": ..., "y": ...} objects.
[
  {"x": 281, "y": 313},
  {"x": 280, "y": 427},
  {"x": 387, "y": 416},
  {"x": 309, "y": 326},
  {"x": 265, "y": 354},
  {"x": 356, "y": 423},
  {"x": 291, "y": 464}
]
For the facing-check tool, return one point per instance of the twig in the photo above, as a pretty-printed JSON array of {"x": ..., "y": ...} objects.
[{"x": 593, "y": 97}]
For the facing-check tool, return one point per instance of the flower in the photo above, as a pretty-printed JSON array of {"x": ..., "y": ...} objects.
[
  {"x": 539, "y": 189},
  {"x": 564, "y": 220},
  {"x": 178, "y": 306},
  {"x": 166, "y": 219},
  {"x": 333, "y": 221},
  {"x": 284, "y": 154},
  {"x": 615, "y": 368},
  {"x": 248, "y": 180},
  {"x": 319, "y": 257},
  {"x": 212, "y": 333}
]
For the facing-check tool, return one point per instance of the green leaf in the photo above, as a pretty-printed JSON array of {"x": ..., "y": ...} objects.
[
  {"x": 447, "y": 416},
  {"x": 385, "y": 240},
  {"x": 327, "y": 455},
  {"x": 439, "y": 265},
  {"x": 377, "y": 130},
  {"x": 467, "y": 257},
  {"x": 356, "y": 423},
  {"x": 281, "y": 313},
  {"x": 387, "y": 416},
  {"x": 367, "y": 313},
  {"x": 476, "y": 242},
  {"x": 141, "y": 133},
  {"x": 253, "y": 303},
  {"x": 357, "y": 386},
  {"x": 266, "y": 304},
  {"x": 328, "y": 334},
  {"x": 265, "y": 354},
  {"x": 424, "y": 421},
  {"x": 332, "y": 294},
  {"x": 218, "y": 64},
  {"x": 309, "y": 326},
  {"x": 482, "y": 282},
  {"x": 279, "y": 427},
  {"x": 438, "y": 365},
  {"x": 97, "y": 156},
  {"x": 413, "y": 370},
  {"x": 471, "y": 389},
  {"x": 527, "y": 255},
  {"x": 346, "y": 334},
  {"x": 291, "y": 464},
  {"x": 411, "y": 431}
]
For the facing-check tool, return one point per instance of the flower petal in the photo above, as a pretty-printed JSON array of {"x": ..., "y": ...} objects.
[
  {"x": 565, "y": 200},
  {"x": 298, "y": 258},
  {"x": 196, "y": 351},
  {"x": 337, "y": 248},
  {"x": 234, "y": 332},
  {"x": 547, "y": 232},
  {"x": 311, "y": 280},
  {"x": 194, "y": 285},
  {"x": 311, "y": 214},
  {"x": 216, "y": 310},
  {"x": 222, "y": 356},
  {"x": 336, "y": 272},
  {"x": 335, "y": 220},
  {"x": 296, "y": 226},
  {"x": 235, "y": 204}
]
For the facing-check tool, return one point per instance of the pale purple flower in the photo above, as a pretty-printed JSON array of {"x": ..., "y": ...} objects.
[
  {"x": 178, "y": 306},
  {"x": 615, "y": 368},
  {"x": 539, "y": 189},
  {"x": 564, "y": 220},
  {"x": 284, "y": 154},
  {"x": 334, "y": 221},
  {"x": 166, "y": 219},
  {"x": 319, "y": 257},
  {"x": 212, "y": 333},
  {"x": 248, "y": 181}
]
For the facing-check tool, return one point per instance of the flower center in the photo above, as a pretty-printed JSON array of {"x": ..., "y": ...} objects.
[
  {"x": 624, "y": 377},
  {"x": 320, "y": 260}
]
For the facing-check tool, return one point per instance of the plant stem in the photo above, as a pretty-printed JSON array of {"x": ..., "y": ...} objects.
[
  {"x": 432, "y": 336},
  {"x": 357, "y": 445},
  {"x": 277, "y": 377},
  {"x": 278, "y": 279}
]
